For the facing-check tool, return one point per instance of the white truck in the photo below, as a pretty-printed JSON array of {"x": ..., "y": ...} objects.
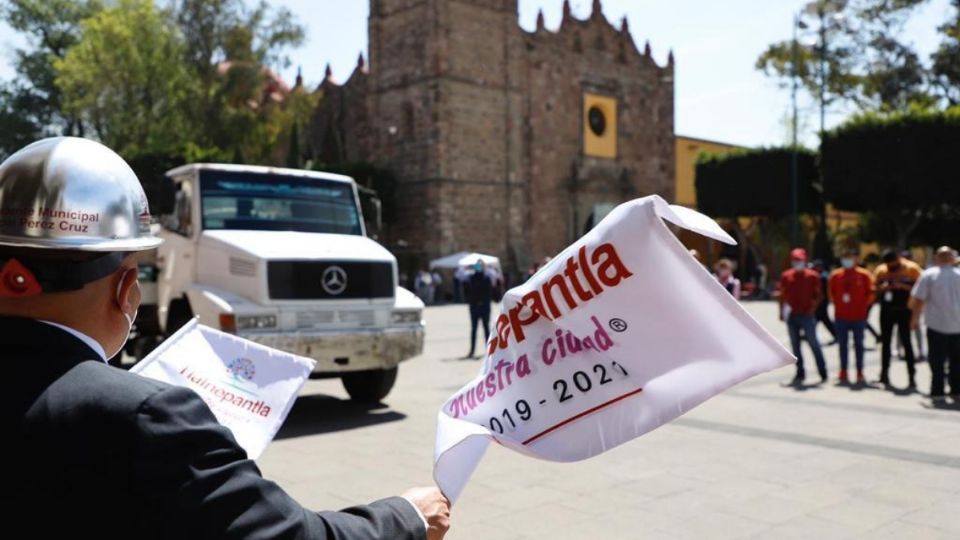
[{"x": 281, "y": 257}]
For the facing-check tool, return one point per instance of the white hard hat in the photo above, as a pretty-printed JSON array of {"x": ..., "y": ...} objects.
[{"x": 70, "y": 193}]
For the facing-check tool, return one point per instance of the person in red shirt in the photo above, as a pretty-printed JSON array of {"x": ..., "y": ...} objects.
[
  {"x": 852, "y": 293},
  {"x": 800, "y": 293}
]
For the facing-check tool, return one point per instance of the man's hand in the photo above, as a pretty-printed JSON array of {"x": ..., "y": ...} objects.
[{"x": 434, "y": 507}]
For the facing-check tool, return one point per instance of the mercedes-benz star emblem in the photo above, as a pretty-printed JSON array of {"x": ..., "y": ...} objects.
[{"x": 334, "y": 280}]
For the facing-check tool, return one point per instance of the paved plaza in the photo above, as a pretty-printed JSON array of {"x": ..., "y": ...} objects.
[{"x": 759, "y": 461}]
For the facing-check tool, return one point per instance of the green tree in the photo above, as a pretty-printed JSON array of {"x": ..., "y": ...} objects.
[
  {"x": 899, "y": 168},
  {"x": 31, "y": 106},
  {"x": 864, "y": 63},
  {"x": 946, "y": 60},
  {"x": 757, "y": 183},
  {"x": 229, "y": 49},
  {"x": 125, "y": 78},
  {"x": 189, "y": 80}
]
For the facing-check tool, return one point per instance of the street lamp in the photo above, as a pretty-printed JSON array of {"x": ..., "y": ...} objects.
[
  {"x": 794, "y": 180},
  {"x": 828, "y": 15}
]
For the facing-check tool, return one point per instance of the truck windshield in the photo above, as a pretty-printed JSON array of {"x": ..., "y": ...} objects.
[{"x": 269, "y": 202}]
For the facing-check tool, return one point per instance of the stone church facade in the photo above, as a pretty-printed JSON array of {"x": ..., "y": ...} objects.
[{"x": 503, "y": 141}]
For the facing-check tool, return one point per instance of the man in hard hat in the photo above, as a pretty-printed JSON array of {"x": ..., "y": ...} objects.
[{"x": 97, "y": 452}]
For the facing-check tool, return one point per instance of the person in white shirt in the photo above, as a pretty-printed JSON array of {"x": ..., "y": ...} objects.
[{"x": 936, "y": 295}]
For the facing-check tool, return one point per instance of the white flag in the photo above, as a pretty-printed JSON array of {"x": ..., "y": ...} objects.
[
  {"x": 620, "y": 333},
  {"x": 249, "y": 387}
]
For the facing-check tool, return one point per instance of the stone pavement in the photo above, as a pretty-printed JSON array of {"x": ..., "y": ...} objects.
[{"x": 760, "y": 461}]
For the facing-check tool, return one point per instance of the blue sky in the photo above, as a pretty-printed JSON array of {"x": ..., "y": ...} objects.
[{"x": 719, "y": 94}]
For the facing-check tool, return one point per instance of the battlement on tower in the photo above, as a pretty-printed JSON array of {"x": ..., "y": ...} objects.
[{"x": 502, "y": 140}]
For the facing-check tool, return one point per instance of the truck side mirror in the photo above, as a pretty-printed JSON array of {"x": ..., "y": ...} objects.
[
  {"x": 370, "y": 205},
  {"x": 164, "y": 195}
]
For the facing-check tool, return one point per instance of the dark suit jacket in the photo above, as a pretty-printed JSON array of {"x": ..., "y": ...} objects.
[
  {"x": 101, "y": 453},
  {"x": 479, "y": 289}
]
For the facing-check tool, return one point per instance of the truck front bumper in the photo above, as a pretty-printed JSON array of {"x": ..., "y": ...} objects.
[{"x": 350, "y": 350}]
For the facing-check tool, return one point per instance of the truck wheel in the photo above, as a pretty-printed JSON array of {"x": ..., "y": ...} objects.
[{"x": 369, "y": 386}]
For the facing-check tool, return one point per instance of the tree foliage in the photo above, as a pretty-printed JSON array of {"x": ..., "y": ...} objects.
[
  {"x": 31, "y": 105},
  {"x": 867, "y": 61},
  {"x": 946, "y": 59},
  {"x": 900, "y": 167},
  {"x": 125, "y": 78},
  {"x": 150, "y": 77},
  {"x": 229, "y": 49},
  {"x": 756, "y": 183}
]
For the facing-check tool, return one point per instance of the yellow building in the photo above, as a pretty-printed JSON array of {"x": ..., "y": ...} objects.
[{"x": 687, "y": 151}]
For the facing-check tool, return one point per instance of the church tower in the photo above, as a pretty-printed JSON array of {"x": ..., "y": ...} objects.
[
  {"x": 445, "y": 91},
  {"x": 503, "y": 141}
]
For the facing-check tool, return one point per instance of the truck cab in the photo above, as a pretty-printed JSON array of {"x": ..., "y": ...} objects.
[{"x": 281, "y": 257}]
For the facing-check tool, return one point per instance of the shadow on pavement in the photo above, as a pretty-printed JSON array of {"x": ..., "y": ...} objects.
[
  {"x": 903, "y": 392},
  {"x": 803, "y": 387},
  {"x": 317, "y": 414},
  {"x": 943, "y": 405}
]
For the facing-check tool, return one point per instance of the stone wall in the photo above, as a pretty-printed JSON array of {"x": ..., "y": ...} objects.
[{"x": 482, "y": 123}]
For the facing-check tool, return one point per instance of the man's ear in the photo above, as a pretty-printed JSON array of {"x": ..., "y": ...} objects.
[{"x": 128, "y": 294}]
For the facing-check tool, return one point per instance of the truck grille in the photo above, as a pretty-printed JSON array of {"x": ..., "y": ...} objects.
[
  {"x": 310, "y": 319},
  {"x": 320, "y": 319},
  {"x": 359, "y": 318},
  {"x": 329, "y": 280},
  {"x": 242, "y": 267}
]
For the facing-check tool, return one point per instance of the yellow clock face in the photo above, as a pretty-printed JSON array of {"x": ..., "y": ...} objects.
[{"x": 599, "y": 126}]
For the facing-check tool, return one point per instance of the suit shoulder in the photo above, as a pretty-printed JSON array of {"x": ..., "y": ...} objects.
[{"x": 98, "y": 384}]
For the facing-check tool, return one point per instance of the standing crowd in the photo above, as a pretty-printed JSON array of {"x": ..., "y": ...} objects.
[{"x": 906, "y": 295}]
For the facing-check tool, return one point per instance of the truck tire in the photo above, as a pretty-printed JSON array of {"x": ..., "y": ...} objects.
[{"x": 369, "y": 386}]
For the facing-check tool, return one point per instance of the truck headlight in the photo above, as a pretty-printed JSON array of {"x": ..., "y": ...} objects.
[
  {"x": 405, "y": 317},
  {"x": 254, "y": 322}
]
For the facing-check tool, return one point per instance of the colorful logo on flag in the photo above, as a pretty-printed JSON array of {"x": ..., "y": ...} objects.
[{"x": 242, "y": 369}]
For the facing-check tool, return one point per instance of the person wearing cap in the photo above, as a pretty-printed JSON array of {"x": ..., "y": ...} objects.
[
  {"x": 936, "y": 295},
  {"x": 800, "y": 292},
  {"x": 851, "y": 290},
  {"x": 95, "y": 451},
  {"x": 895, "y": 277}
]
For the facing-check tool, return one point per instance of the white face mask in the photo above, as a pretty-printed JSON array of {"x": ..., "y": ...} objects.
[
  {"x": 130, "y": 318},
  {"x": 847, "y": 263},
  {"x": 798, "y": 265}
]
